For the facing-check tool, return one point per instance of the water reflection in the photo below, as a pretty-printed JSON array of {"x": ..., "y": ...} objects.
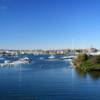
[
  {"x": 48, "y": 80},
  {"x": 95, "y": 75}
]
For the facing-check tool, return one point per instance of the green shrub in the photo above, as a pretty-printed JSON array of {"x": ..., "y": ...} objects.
[
  {"x": 95, "y": 60},
  {"x": 86, "y": 63}
]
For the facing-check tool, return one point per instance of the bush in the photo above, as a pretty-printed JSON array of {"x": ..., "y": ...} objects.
[
  {"x": 86, "y": 63},
  {"x": 95, "y": 60},
  {"x": 82, "y": 57}
]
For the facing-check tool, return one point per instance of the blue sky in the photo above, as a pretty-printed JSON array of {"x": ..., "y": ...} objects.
[{"x": 49, "y": 24}]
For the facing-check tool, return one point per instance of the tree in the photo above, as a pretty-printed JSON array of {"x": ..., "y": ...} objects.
[
  {"x": 82, "y": 57},
  {"x": 95, "y": 60}
]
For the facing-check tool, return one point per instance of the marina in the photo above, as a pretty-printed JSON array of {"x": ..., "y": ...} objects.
[
  {"x": 49, "y": 49},
  {"x": 7, "y": 61}
]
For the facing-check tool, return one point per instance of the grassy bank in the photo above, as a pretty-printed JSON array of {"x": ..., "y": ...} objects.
[{"x": 87, "y": 63}]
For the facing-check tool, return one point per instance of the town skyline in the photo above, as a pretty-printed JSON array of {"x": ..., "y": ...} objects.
[{"x": 48, "y": 48}]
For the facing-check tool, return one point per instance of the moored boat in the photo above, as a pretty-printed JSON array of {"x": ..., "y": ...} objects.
[{"x": 51, "y": 57}]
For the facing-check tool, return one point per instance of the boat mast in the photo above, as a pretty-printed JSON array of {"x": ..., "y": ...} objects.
[{"x": 73, "y": 49}]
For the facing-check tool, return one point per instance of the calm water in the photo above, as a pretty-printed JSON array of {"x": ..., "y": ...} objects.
[{"x": 48, "y": 80}]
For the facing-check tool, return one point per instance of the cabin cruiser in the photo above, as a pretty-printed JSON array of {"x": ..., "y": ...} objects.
[
  {"x": 7, "y": 61},
  {"x": 51, "y": 57},
  {"x": 65, "y": 57},
  {"x": 25, "y": 59}
]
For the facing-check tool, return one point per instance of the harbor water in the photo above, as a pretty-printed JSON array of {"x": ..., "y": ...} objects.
[{"x": 44, "y": 79}]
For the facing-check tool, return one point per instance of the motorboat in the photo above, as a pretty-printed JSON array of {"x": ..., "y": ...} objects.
[
  {"x": 51, "y": 57},
  {"x": 65, "y": 57},
  {"x": 7, "y": 61},
  {"x": 26, "y": 58}
]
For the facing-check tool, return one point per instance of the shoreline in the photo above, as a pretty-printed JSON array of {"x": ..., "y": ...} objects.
[{"x": 72, "y": 64}]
